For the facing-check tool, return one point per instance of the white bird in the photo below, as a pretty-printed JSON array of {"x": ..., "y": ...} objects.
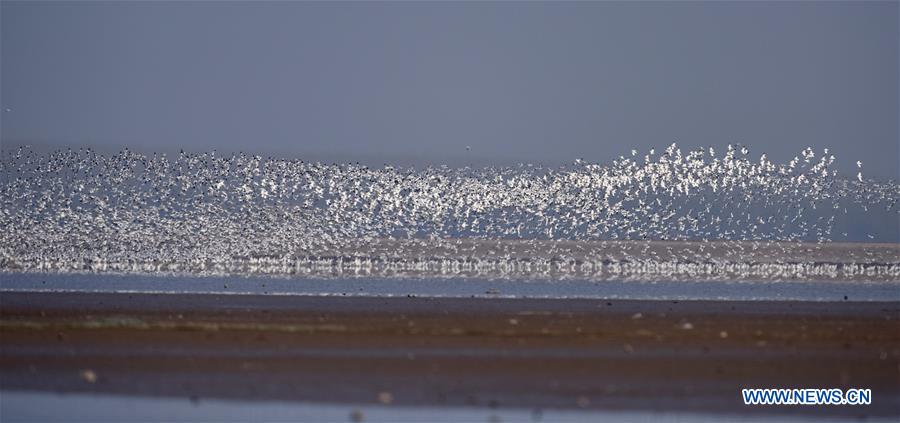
[{"x": 204, "y": 210}]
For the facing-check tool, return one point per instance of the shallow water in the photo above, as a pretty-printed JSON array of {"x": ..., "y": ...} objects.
[
  {"x": 460, "y": 287},
  {"x": 22, "y": 406}
]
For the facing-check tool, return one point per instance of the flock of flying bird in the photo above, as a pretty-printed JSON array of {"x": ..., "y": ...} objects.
[{"x": 80, "y": 207}]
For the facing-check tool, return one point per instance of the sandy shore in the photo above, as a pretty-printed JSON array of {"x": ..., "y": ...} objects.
[{"x": 539, "y": 353}]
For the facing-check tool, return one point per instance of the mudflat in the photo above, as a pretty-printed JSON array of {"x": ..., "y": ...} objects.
[{"x": 494, "y": 352}]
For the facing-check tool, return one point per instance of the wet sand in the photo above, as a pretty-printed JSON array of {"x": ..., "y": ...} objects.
[{"x": 692, "y": 356}]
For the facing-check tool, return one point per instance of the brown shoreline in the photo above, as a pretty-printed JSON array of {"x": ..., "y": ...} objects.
[{"x": 537, "y": 353}]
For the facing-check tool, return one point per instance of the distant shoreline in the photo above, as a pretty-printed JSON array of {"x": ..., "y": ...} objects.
[{"x": 524, "y": 259}]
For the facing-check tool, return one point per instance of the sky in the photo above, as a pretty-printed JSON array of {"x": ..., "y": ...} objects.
[{"x": 475, "y": 83}]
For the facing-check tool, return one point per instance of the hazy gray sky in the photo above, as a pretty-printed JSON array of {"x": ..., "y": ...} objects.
[{"x": 418, "y": 82}]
